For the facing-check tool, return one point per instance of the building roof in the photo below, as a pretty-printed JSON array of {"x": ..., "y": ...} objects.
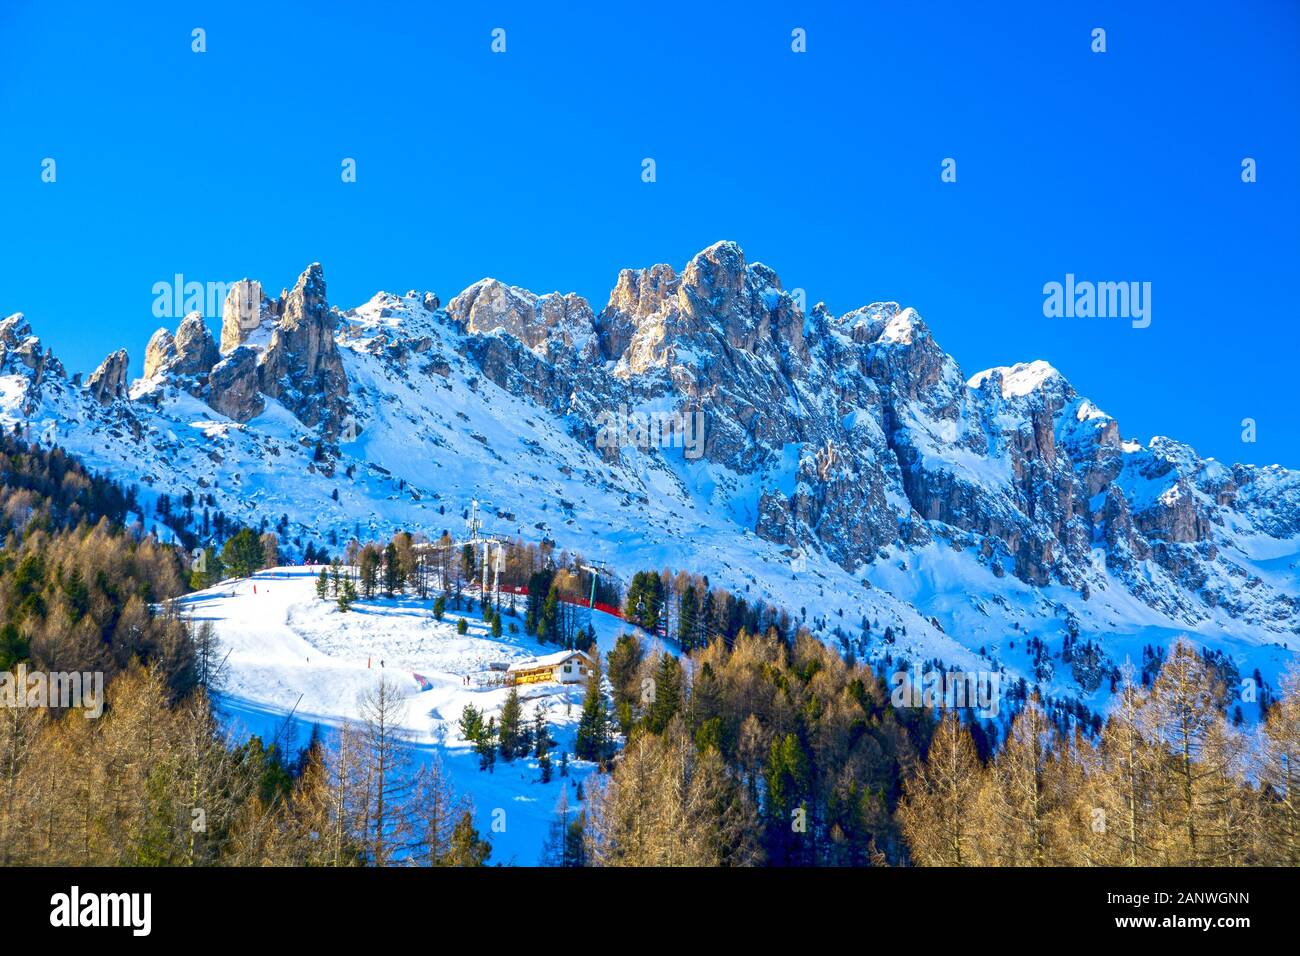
[{"x": 548, "y": 660}]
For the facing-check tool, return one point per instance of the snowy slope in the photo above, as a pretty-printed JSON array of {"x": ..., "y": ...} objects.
[{"x": 289, "y": 652}]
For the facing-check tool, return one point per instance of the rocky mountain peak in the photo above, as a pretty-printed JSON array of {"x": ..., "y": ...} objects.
[
  {"x": 714, "y": 281},
  {"x": 22, "y": 353},
  {"x": 107, "y": 383},
  {"x": 642, "y": 292},
  {"x": 301, "y": 366},
  {"x": 305, "y": 305},
  {"x": 191, "y": 352},
  {"x": 160, "y": 353},
  {"x": 489, "y": 306},
  {"x": 246, "y": 314},
  {"x": 1022, "y": 379},
  {"x": 855, "y": 439},
  {"x": 196, "y": 349}
]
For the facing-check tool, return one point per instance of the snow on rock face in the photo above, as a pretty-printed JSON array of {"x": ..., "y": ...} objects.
[
  {"x": 233, "y": 386},
  {"x": 851, "y": 442},
  {"x": 246, "y": 313},
  {"x": 188, "y": 355},
  {"x": 21, "y": 353},
  {"x": 1019, "y": 380}
]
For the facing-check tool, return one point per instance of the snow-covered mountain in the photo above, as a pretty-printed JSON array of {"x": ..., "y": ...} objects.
[{"x": 847, "y": 467}]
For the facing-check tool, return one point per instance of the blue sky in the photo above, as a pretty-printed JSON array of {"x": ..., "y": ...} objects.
[{"x": 825, "y": 165}]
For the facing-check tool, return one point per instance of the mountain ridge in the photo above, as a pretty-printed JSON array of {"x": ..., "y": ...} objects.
[{"x": 846, "y": 445}]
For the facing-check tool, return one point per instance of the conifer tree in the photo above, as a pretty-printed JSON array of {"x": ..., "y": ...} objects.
[
  {"x": 667, "y": 693},
  {"x": 392, "y": 571},
  {"x": 1021, "y": 804},
  {"x": 1181, "y": 718},
  {"x": 593, "y": 739},
  {"x": 1122, "y": 781},
  {"x": 347, "y": 595},
  {"x": 509, "y": 733},
  {"x": 937, "y": 813},
  {"x": 688, "y": 618},
  {"x": 1279, "y": 770},
  {"x": 486, "y": 746},
  {"x": 467, "y": 847}
]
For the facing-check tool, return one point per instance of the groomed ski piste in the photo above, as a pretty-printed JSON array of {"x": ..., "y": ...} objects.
[{"x": 293, "y": 661}]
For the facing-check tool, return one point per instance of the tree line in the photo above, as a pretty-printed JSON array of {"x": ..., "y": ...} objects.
[
  {"x": 154, "y": 782},
  {"x": 1171, "y": 780}
]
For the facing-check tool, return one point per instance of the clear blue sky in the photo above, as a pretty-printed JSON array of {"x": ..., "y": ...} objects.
[{"x": 526, "y": 166}]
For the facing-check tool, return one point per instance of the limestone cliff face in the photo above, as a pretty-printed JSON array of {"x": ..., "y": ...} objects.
[
  {"x": 21, "y": 353},
  {"x": 283, "y": 349},
  {"x": 233, "y": 385},
  {"x": 196, "y": 349},
  {"x": 489, "y": 306},
  {"x": 108, "y": 382},
  {"x": 860, "y": 432},
  {"x": 301, "y": 366},
  {"x": 160, "y": 353},
  {"x": 185, "y": 359},
  {"x": 246, "y": 312}
]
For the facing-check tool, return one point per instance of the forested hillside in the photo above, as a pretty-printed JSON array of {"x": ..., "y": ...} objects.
[{"x": 736, "y": 739}]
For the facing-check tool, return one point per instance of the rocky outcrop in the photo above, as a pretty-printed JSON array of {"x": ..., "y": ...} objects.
[
  {"x": 21, "y": 352},
  {"x": 233, "y": 385},
  {"x": 189, "y": 354},
  {"x": 637, "y": 295},
  {"x": 490, "y": 306},
  {"x": 107, "y": 383},
  {"x": 301, "y": 366},
  {"x": 196, "y": 349},
  {"x": 159, "y": 354},
  {"x": 246, "y": 312},
  {"x": 283, "y": 349}
]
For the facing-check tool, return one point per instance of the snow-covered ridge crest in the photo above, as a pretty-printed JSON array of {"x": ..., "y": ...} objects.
[{"x": 1020, "y": 379}]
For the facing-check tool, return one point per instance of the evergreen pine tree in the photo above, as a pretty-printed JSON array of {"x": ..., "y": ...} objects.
[
  {"x": 509, "y": 734},
  {"x": 392, "y": 570},
  {"x": 347, "y": 595},
  {"x": 487, "y": 746},
  {"x": 593, "y": 726},
  {"x": 467, "y": 847},
  {"x": 667, "y": 693},
  {"x": 688, "y": 619}
]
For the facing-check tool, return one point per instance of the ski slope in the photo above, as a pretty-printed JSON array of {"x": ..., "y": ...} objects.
[{"x": 292, "y": 660}]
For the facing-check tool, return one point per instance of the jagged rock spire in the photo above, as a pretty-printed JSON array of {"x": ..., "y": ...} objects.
[{"x": 108, "y": 382}]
